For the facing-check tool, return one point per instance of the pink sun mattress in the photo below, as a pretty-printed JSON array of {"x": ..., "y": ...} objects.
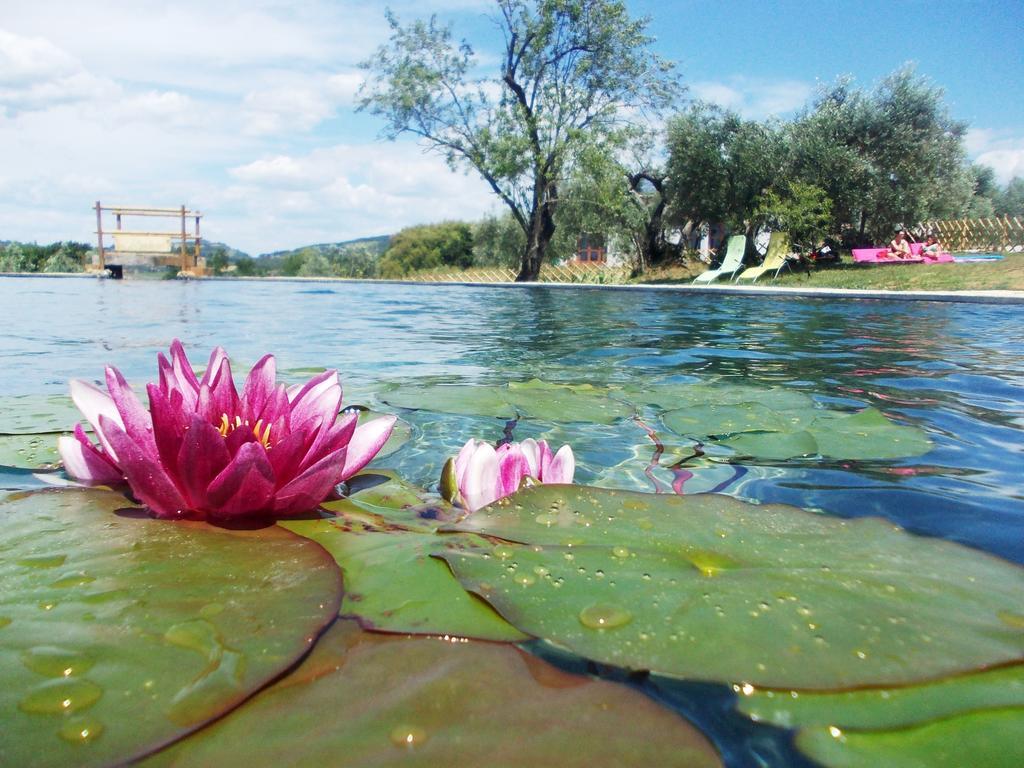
[{"x": 881, "y": 256}]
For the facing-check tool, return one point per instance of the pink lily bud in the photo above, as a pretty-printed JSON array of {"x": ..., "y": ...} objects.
[
  {"x": 204, "y": 450},
  {"x": 481, "y": 474}
]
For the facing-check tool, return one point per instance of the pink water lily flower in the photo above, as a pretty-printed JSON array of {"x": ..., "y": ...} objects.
[
  {"x": 481, "y": 474},
  {"x": 204, "y": 450}
]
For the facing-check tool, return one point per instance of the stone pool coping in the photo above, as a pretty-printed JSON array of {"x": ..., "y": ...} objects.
[{"x": 975, "y": 297}]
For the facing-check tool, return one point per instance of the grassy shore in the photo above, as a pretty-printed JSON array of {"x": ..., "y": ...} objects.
[{"x": 1007, "y": 274}]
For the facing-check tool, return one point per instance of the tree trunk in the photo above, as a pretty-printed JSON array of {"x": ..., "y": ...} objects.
[
  {"x": 542, "y": 229},
  {"x": 656, "y": 248},
  {"x": 750, "y": 254}
]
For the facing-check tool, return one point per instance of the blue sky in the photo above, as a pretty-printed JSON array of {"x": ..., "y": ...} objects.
[{"x": 243, "y": 108}]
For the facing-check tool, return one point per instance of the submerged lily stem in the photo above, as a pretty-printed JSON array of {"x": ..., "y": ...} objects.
[
  {"x": 509, "y": 435},
  {"x": 659, "y": 449}
]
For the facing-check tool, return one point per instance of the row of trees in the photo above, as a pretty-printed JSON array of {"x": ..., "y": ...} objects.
[
  {"x": 564, "y": 134},
  {"x": 56, "y": 257}
]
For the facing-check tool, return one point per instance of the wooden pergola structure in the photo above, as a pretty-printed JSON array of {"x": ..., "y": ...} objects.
[{"x": 159, "y": 245}]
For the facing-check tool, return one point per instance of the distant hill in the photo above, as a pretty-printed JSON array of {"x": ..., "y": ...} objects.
[
  {"x": 375, "y": 245},
  {"x": 206, "y": 247}
]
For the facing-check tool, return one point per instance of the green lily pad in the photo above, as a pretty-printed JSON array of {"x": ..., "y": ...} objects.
[
  {"x": 120, "y": 633},
  {"x": 727, "y": 419},
  {"x": 382, "y": 535},
  {"x": 30, "y": 414},
  {"x": 991, "y": 738},
  {"x": 381, "y": 499},
  {"x": 886, "y": 708},
  {"x": 777, "y": 423},
  {"x": 36, "y": 451},
  {"x": 372, "y": 700},
  {"x": 711, "y": 588},
  {"x": 464, "y": 399},
  {"x": 393, "y": 585},
  {"x": 775, "y": 446},
  {"x": 670, "y": 396},
  {"x": 867, "y": 434},
  {"x": 564, "y": 402},
  {"x": 534, "y": 398}
]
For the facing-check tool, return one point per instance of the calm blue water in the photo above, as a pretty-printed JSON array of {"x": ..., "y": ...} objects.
[{"x": 956, "y": 370}]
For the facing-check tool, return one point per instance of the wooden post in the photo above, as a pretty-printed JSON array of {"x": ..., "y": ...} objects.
[
  {"x": 196, "y": 253},
  {"x": 184, "y": 258},
  {"x": 99, "y": 236}
]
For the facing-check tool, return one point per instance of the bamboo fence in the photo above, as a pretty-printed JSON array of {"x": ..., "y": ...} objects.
[
  {"x": 571, "y": 272},
  {"x": 999, "y": 233}
]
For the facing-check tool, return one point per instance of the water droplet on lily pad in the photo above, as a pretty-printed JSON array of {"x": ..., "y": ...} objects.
[
  {"x": 66, "y": 694},
  {"x": 43, "y": 561},
  {"x": 605, "y": 616},
  {"x": 620, "y": 552},
  {"x": 77, "y": 579},
  {"x": 81, "y": 730},
  {"x": 54, "y": 661},
  {"x": 408, "y": 736},
  {"x": 503, "y": 551}
]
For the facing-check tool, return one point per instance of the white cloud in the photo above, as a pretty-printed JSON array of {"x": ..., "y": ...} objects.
[
  {"x": 342, "y": 87},
  {"x": 1000, "y": 150},
  {"x": 717, "y": 93},
  {"x": 348, "y": 190},
  {"x": 285, "y": 108},
  {"x": 753, "y": 97},
  {"x": 25, "y": 60},
  {"x": 35, "y": 74},
  {"x": 281, "y": 172}
]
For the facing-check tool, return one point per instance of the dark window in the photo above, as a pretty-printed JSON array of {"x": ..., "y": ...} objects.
[{"x": 590, "y": 247}]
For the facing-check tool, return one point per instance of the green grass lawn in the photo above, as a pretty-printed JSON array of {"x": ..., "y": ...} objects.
[{"x": 1007, "y": 274}]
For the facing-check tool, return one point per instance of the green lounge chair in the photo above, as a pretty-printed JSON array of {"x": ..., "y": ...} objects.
[
  {"x": 731, "y": 264},
  {"x": 774, "y": 261}
]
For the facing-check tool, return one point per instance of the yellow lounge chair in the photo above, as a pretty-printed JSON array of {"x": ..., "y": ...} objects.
[
  {"x": 731, "y": 264},
  {"x": 775, "y": 260}
]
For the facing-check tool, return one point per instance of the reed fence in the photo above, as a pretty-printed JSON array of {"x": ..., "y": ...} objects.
[
  {"x": 999, "y": 233},
  {"x": 550, "y": 273}
]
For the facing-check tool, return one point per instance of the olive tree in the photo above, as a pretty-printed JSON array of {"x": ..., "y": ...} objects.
[
  {"x": 621, "y": 193},
  {"x": 570, "y": 72},
  {"x": 720, "y": 166},
  {"x": 889, "y": 157}
]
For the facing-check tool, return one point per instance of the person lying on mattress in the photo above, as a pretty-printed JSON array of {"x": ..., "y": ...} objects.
[
  {"x": 932, "y": 247},
  {"x": 899, "y": 248}
]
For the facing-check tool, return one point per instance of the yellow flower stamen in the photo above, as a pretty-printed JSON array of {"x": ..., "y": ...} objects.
[{"x": 262, "y": 433}]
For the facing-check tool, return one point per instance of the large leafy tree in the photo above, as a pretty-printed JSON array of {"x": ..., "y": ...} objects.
[
  {"x": 620, "y": 192},
  {"x": 720, "y": 165},
  {"x": 889, "y": 157},
  {"x": 448, "y": 244},
  {"x": 1010, "y": 201},
  {"x": 571, "y": 72}
]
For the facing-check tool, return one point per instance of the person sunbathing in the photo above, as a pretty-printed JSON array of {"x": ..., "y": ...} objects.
[
  {"x": 899, "y": 248},
  {"x": 932, "y": 247}
]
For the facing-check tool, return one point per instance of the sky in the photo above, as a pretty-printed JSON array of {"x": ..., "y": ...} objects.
[{"x": 244, "y": 108}]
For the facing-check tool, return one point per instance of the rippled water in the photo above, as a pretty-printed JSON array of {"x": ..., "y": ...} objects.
[{"x": 955, "y": 370}]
